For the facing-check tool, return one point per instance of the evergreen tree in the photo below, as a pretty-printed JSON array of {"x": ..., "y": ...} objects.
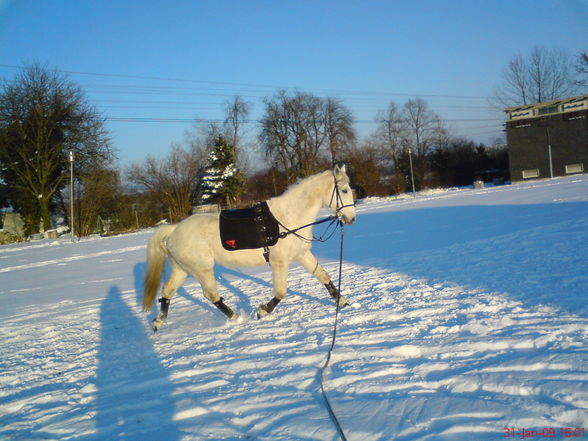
[{"x": 221, "y": 181}]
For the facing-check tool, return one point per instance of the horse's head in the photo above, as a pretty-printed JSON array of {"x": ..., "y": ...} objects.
[{"x": 341, "y": 200}]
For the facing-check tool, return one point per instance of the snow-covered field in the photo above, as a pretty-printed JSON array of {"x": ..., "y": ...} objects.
[{"x": 470, "y": 322}]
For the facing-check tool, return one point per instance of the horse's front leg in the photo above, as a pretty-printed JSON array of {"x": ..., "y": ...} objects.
[
  {"x": 280, "y": 276},
  {"x": 309, "y": 262}
]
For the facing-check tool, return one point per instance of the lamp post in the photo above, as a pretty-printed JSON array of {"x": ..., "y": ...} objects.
[
  {"x": 411, "y": 172},
  {"x": 549, "y": 152},
  {"x": 71, "y": 195}
]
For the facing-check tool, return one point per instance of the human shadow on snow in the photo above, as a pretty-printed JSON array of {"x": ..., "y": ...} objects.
[
  {"x": 139, "y": 271},
  {"x": 134, "y": 394},
  {"x": 532, "y": 253}
]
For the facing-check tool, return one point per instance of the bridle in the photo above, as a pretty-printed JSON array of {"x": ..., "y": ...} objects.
[{"x": 339, "y": 200}]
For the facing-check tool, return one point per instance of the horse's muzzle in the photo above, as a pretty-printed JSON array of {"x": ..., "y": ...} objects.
[{"x": 347, "y": 219}]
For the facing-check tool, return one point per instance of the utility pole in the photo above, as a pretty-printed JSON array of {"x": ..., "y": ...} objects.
[
  {"x": 411, "y": 172},
  {"x": 71, "y": 195}
]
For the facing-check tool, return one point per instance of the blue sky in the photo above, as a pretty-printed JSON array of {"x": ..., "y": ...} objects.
[{"x": 181, "y": 60}]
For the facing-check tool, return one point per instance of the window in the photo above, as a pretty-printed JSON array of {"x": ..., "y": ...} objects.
[
  {"x": 549, "y": 109},
  {"x": 574, "y": 168},
  {"x": 530, "y": 174}
]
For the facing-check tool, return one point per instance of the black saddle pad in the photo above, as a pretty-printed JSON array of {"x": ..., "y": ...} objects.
[{"x": 248, "y": 228}]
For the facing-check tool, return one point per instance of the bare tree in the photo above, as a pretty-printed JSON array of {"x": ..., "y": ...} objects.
[
  {"x": 365, "y": 170},
  {"x": 204, "y": 133},
  {"x": 338, "y": 120},
  {"x": 298, "y": 131},
  {"x": 582, "y": 71},
  {"x": 236, "y": 112},
  {"x": 542, "y": 75},
  {"x": 516, "y": 82},
  {"x": 43, "y": 116},
  {"x": 99, "y": 196},
  {"x": 424, "y": 131},
  {"x": 423, "y": 126},
  {"x": 391, "y": 134},
  {"x": 284, "y": 133},
  {"x": 171, "y": 179}
]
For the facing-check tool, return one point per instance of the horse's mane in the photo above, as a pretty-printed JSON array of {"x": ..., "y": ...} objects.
[
  {"x": 309, "y": 185},
  {"x": 302, "y": 182}
]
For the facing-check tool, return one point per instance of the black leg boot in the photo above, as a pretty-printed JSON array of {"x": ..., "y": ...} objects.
[
  {"x": 162, "y": 316},
  {"x": 225, "y": 309},
  {"x": 164, "y": 307}
]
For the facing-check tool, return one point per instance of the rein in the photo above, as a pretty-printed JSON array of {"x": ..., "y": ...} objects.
[
  {"x": 288, "y": 231},
  {"x": 332, "y": 414}
]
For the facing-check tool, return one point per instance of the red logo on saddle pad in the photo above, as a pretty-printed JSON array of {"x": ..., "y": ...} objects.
[{"x": 231, "y": 243}]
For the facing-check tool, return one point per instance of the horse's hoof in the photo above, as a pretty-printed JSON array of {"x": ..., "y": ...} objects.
[
  {"x": 342, "y": 301},
  {"x": 237, "y": 319},
  {"x": 261, "y": 312},
  {"x": 156, "y": 324}
]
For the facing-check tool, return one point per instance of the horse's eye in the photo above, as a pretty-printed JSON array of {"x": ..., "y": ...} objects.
[{"x": 345, "y": 191}]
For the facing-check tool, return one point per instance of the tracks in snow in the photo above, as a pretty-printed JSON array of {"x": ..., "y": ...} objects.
[{"x": 415, "y": 357}]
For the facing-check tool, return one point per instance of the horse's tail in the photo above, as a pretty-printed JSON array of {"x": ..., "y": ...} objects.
[{"x": 156, "y": 254}]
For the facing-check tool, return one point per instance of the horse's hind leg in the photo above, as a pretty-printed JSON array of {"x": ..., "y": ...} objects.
[
  {"x": 177, "y": 277},
  {"x": 208, "y": 283},
  {"x": 309, "y": 262}
]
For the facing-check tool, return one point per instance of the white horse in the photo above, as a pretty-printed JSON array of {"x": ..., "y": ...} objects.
[{"x": 193, "y": 246}]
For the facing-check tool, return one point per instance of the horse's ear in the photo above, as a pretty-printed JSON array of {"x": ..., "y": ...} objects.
[{"x": 340, "y": 169}]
